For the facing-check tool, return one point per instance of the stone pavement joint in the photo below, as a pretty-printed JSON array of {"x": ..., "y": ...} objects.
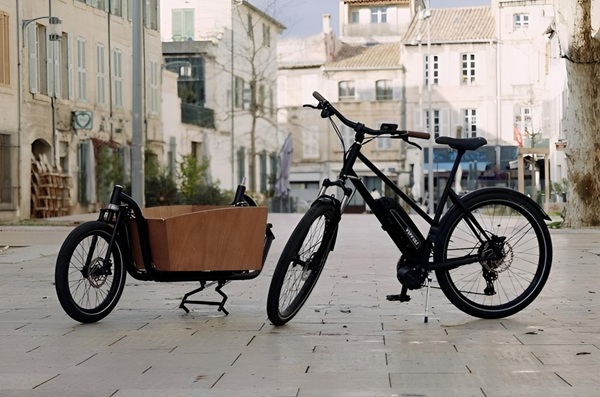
[{"x": 346, "y": 341}]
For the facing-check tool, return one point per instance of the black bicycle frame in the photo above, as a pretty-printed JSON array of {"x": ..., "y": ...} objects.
[{"x": 424, "y": 249}]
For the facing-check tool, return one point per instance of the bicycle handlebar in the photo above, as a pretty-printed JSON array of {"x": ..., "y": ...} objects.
[{"x": 359, "y": 127}]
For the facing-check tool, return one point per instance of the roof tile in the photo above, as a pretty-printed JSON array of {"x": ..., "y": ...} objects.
[
  {"x": 449, "y": 25},
  {"x": 367, "y": 57}
]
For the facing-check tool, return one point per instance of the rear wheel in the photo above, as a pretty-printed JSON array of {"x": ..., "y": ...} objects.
[
  {"x": 504, "y": 285},
  {"x": 301, "y": 263},
  {"x": 87, "y": 289}
]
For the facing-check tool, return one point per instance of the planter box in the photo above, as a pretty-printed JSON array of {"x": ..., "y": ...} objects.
[{"x": 203, "y": 238}]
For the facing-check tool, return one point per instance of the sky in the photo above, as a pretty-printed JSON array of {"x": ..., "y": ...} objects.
[{"x": 304, "y": 18}]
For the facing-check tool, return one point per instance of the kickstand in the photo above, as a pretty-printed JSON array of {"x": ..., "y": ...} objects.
[
  {"x": 428, "y": 283},
  {"x": 203, "y": 285}
]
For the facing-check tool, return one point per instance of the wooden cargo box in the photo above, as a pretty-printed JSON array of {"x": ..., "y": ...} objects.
[{"x": 203, "y": 238}]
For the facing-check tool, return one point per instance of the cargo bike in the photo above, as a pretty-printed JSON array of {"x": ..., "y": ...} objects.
[{"x": 209, "y": 244}]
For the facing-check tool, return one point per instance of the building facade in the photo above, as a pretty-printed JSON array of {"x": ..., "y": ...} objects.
[
  {"x": 230, "y": 96},
  {"x": 70, "y": 88},
  {"x": 462, "y": 72}
]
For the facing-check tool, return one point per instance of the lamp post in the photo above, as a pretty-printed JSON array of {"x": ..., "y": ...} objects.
[
  {"x": 137, "y": 137},
  {"x": 430, "y": 130}
]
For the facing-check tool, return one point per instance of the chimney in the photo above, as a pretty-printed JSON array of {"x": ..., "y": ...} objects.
[{"x": 326, "y": 23}]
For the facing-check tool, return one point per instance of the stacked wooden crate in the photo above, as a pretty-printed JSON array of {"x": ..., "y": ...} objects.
[{"x": 50, "y": 190}]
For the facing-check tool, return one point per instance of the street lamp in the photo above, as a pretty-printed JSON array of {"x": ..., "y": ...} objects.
[
  {"x": 184, "y": 67},
  {"x": 54, "y": 30}
]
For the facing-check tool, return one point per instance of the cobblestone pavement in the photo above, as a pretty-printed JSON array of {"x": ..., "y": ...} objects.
[{"x": 346, "y": 341}]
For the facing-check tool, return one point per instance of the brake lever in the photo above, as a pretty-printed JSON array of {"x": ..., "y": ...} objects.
[
  {"x": 414, "y": 144},
  {"x": 308, "y": 105}
]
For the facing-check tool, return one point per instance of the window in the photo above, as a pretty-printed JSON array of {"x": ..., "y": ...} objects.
[
  {"x": 378, "y": 15},
  {"x": 81, "y": 70},
  {"x": 6, "y": 188},
  {"x": 468, "y": 69},
  {"x": 154, "y": 100},
  {"x": 383, "y": 143},
  {"x": 261, "y": 99},
  {"x": 182, "y": 24},
  {"x": 432, "y": 71},
  {"x": 151, "y": 14},
  {"x": 384, "y": 90},
  {"x": 86, "y": 175},
  {"x": 100, "y": 75},
  {"x": 354, "y": 17},
  {"x": 266, "y": 35},
  {"x": 196, "y": 151},
  {"x": 346, "y": 90},
  {"x": 310, "y": 143},
  {"x": 117, "y": 75},
  {"x": 520, "y": 21},
  {"x": 435, "y": 127},
  {"x": 262, "y": 159},
  {"x": 469, "y": 123},
  {"x": 241, "y": 163},
  {"x": 4, "y": 50},
  {"x": 523, "y": 119},
  {"x": 250, "y": 27},
  {"x": 239, "y": 93},
  {"x": 116, "y": 7},
  {"x": 191, "y": 82}
]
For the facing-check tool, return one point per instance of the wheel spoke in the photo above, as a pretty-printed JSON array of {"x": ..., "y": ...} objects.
[{"x": 514, "y": 233}]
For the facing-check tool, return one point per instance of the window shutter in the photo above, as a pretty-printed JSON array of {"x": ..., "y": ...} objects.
[
  {"x": 70, "y": 66},
  {"x": 49, "y": 65},
  {"x": 57, "y": 69},
  {"x": 445, "y": 122},
  {"x": 32, "y": 50},
  {"x": 177, "y": 23},
  {"x": 189, "y": 23}
]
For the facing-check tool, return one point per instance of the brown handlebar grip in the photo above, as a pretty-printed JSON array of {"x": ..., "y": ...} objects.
[
  {"x": 417, "y": 134},
  {"x": 319, "y": 97}
]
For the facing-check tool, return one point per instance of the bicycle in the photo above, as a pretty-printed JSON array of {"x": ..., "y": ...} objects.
[
  {"x": 491, "y": 251},
  {"x": 95, "y": 257}
]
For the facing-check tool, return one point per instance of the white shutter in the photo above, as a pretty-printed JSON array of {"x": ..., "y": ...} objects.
[
  {"x": 49, "y": 65},
  {"x": 57, "y": 69},
  {"x": 33, "y": 58},
  {"x": 71, "y": 92},
  {"x": 177, "y": 24},
  {"x": 445, "y": 122}
]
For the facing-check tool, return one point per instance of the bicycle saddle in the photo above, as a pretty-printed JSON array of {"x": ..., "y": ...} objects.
[{"x": 462, "y": 143}]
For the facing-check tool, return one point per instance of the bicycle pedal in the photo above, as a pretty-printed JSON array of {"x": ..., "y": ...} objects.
[{"x": 398, "y": 297}]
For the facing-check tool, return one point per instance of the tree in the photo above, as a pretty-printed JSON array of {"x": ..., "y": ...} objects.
[
  {"x": 581, "y": 50},
  {"x": 248, "y": 55}
]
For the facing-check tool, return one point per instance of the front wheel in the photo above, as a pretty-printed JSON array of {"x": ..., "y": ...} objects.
[
  {"x": 88, "y": 288},
  {"x": 301, "y": 263},
  {"x": 520, "y": 250}
]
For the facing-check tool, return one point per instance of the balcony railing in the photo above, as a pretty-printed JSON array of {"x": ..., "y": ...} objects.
[{"x": 197, "y": 115}]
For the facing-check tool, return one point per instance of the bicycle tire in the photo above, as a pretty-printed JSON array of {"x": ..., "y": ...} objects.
[
  {"x": 517, "y": 278},
  {"x": 88, "y": 296},
  {"x": 301, "y": 263}
]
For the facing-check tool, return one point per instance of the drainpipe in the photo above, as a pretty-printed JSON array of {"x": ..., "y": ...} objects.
[{"x": 19, "y": 103}]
